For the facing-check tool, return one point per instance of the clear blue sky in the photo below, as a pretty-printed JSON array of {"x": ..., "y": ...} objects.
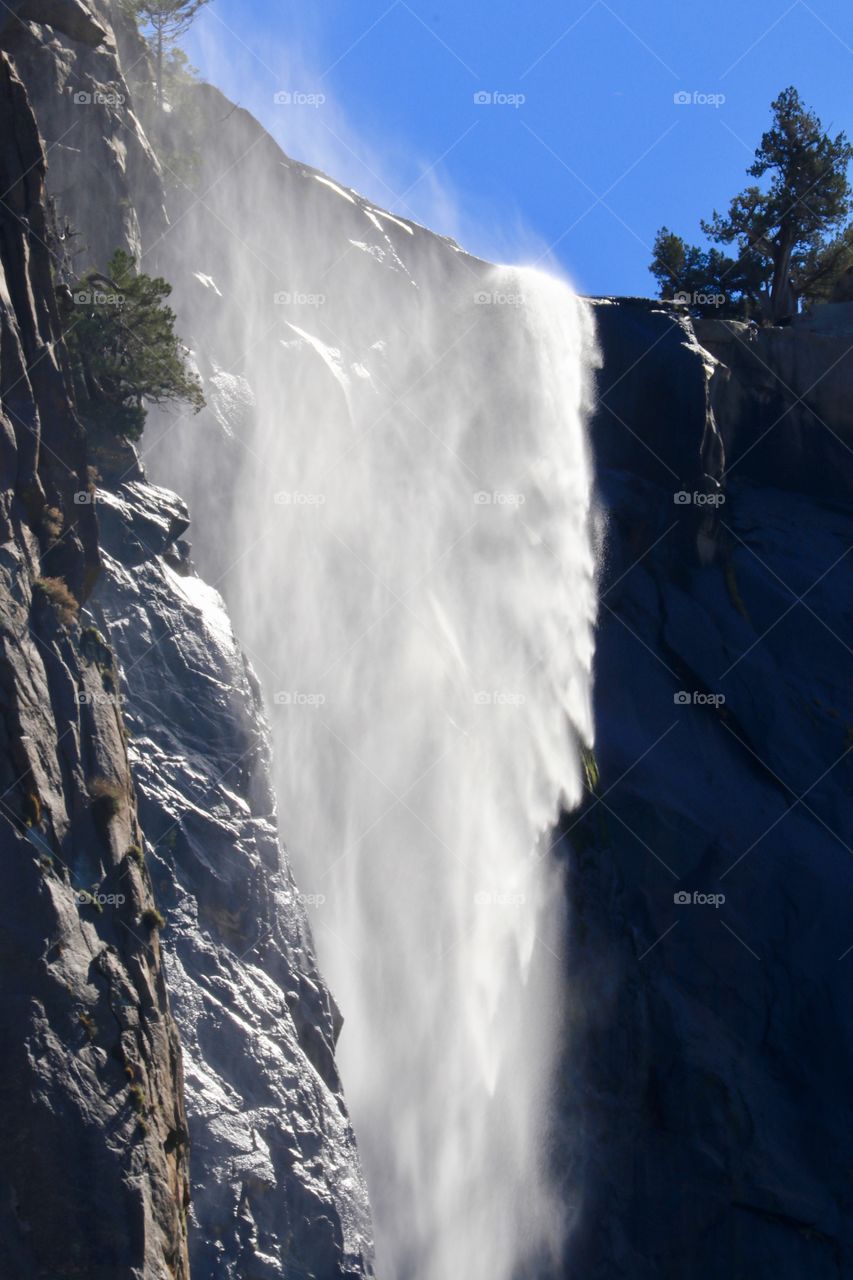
[{"x": 597, "y": 156}]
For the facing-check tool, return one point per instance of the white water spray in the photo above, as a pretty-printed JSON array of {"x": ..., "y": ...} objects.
[{"x": 404, "y": 523}]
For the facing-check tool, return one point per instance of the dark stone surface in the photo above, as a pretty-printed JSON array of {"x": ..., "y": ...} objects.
[
  {"x": 711, "y": 1054},
  {"x": 783, "y": 399}
]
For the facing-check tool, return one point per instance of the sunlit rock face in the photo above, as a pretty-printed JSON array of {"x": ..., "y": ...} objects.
[
  {"x": 275, "y": 1171},
  {"x": 276, "y": 1180}
]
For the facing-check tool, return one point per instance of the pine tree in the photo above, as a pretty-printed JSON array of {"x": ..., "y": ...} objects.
[
  {"x": 167, "y": 21},
  {"x": 123, "y": 348},
  {"x": 781, "y": 233}
]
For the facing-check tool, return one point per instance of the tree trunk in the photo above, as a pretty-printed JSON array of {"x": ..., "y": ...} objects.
[
  {"x": 160, "y": 68},
  {"x": 783, "y": 304}
]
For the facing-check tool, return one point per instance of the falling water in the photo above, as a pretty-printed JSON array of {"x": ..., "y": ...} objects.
[{"x": 394, "y": 475}]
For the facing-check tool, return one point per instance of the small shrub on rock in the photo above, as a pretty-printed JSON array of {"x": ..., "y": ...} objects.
[
  {"x": 56, "y": 592},
  {"x": 106, "y": 797},
  {"x": 153, "y": 919}
]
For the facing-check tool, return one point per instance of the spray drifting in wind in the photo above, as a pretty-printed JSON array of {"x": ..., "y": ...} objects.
[{"x": 398, "y": 498}]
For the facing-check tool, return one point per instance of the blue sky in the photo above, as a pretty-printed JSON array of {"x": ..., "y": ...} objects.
[{"x": 582, "y": 172}]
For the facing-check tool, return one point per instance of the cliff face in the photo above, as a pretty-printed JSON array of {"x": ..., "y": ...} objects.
[
  {"x": 92, "y": 1126},
  {"x": 710, "y": 868},
  {"x": 276, "y": 1182}
]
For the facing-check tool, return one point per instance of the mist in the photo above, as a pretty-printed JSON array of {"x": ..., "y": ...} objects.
[{"x": 391, "y": 488}]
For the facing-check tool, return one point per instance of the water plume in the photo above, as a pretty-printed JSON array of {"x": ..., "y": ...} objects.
[{"x": 392, "y": 490}]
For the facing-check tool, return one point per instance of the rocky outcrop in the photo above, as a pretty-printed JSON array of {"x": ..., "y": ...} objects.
[
  {"x": 92, "y": 1126},
  {"x": 710, "y": 867}
]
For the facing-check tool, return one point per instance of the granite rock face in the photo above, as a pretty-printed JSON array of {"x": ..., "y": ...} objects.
[
  {"x": 276, "y": 1180},
  {"x": 93, "y": 1138},
  {"x": 783, "y": 396},
  {"x": 710, "y": 869}
]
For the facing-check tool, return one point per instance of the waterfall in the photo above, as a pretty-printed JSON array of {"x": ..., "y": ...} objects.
[{"x": 391, "y": 488}]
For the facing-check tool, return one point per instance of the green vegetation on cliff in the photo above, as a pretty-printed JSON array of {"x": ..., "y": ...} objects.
[{"x": 123, "y": 348}]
